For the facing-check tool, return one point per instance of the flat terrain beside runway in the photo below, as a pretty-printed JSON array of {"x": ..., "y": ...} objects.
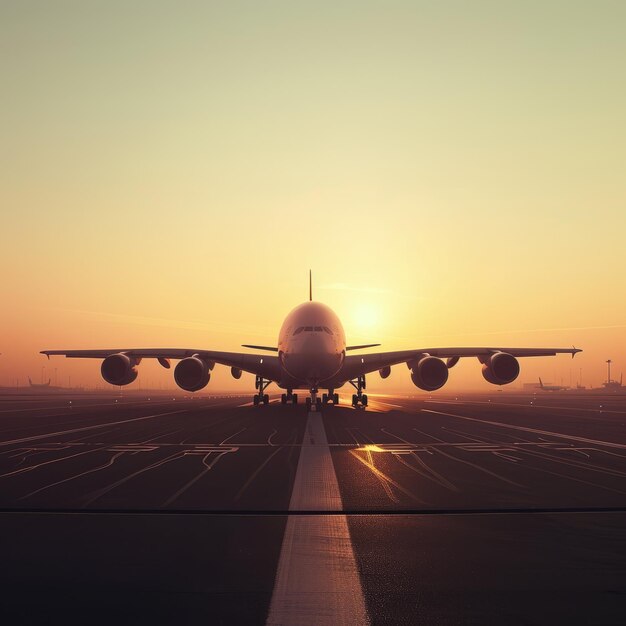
[{"x": 171, "y": 508}]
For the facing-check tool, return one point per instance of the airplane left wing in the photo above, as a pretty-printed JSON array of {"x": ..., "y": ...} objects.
[{"x": 261, "y": 365}]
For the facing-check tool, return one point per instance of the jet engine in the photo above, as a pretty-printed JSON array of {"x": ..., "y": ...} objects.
[
  {"x": 192, "y": 373},
  {"x": 500, "y": 368},
  {"x": 428, "y": 373},
  {"x": 385, "y": 371},
  {"x": 119, "y": 369}
]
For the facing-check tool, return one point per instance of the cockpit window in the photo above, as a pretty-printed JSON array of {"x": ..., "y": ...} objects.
[{"x": 313, "y": 329}]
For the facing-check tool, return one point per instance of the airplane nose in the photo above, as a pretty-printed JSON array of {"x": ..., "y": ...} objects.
[
  {"x": 313, "y": 345},
  {"x": 312, "y": 363}
]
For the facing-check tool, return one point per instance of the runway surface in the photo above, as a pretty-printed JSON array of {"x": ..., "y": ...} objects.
[{"x": 442, "y": 509}]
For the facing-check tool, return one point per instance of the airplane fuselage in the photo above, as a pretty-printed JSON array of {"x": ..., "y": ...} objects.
[{"x": 311, "y": 345}]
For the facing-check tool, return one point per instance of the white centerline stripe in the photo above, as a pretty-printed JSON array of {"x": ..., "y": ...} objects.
[{"x": 317, "y": 580}]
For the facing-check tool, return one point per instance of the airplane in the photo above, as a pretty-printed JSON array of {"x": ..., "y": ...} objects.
[
  {"x": 551, "y": 387},
  {"x": 311, "y": 354}
]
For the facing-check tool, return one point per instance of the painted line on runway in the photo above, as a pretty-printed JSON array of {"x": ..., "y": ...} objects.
[
  {"x": 93, "y": 427},
  {"x": 526, "y": 406},
  {"x": 317, "y": 579},
  {"x": 596, "y": 442}
]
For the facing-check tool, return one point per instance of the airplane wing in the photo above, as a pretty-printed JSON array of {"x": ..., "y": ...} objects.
[
  {"x": 356, "y": 365},
  {"x": 259, "y": 364}
]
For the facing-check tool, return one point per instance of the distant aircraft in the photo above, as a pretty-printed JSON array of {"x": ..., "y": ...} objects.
[
  {"x": 311, "y": 355},
  {"x": 551, "y": 387}
]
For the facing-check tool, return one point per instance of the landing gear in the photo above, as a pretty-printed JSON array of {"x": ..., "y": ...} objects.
[
  {"x": 313, "y": 402},
  {"x": 330, "y": 397},
  {"x": 289, "y": 397},
  {"x": 261, "y": 384},
  {"x": 359, "y": 397}
]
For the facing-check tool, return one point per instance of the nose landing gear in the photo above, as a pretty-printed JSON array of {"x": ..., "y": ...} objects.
[
  {"x": 359, "y": 397},
  {"x": 313, "y": 402}
]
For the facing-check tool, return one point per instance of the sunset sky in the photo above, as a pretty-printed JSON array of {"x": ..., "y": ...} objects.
[{"x": 452, "y": 172}]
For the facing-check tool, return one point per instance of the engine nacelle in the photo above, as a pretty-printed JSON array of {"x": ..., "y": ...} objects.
[
  {"x": 119, "y": 369},
  {"x": 192, "y": 374},
  {"x": 500, "y": 368},
  {"x": 235, "y": 372},
  {"x": 429, "y": 373},
  {"x": 385, "y": 371}
]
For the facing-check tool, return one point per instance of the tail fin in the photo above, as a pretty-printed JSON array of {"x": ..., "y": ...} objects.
[
  {"x": 310, "y": 287},
  {"x": 540, "y": 383}
]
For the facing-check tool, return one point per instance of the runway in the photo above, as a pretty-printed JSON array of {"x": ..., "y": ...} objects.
[{"x": 442, "y": 509}]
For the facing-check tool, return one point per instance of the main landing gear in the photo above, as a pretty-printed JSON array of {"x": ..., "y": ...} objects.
[
  {"x": 359, "y": 397},
  {"x": 331, "y": 396},
  {"x": 261, "y": 384},
  {"x": 289, "y": 397}
]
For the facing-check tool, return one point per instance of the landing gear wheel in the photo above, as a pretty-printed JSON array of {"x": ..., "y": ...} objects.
[
  {"x": 283, "y": 398},
  {"x": 261, "y": 384},
  {"x": 364, "y": 400},
  {"x": 335, "y": 398},
  {"x": 325, "y": 398},
  {"x": 318, "y": 404},
  {"x": 308, "y": 403},
  {"x": 294, "y": 398},
  {"x": 355, "y": 399}
]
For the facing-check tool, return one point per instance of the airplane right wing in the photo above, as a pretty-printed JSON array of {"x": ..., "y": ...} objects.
[{"x": 357, "y": 365}]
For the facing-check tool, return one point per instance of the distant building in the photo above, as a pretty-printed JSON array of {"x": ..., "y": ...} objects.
[{"x": 612, "y": 384}]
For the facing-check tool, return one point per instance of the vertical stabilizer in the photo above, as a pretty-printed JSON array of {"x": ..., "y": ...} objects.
[{"x": 540, "y": 383}]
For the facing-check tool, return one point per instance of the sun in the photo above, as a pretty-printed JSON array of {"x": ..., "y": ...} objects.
[{"x": 365, "y": 315}]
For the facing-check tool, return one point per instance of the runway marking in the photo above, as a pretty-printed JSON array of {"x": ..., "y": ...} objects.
[
  {"x": 385, "y": 481},
  {"x": 478, "y": 467},
  {"x": 597, "y": 442},
  {"x": 256, "y": 472},
  {"x": 207, "y": 466},
  {"x": 526, "y": 405},
  {"x": 70, "y": 478},
  {"x": 317, "y": 579},
  {"x": 233, "y": 435},
  {"x": 272, "y": 401},
  {"x": 66, "y": 405},
  {"x": 93, "y": 427}
]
